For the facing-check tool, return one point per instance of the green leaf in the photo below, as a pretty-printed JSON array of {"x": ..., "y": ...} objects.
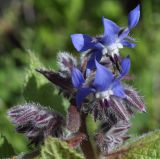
[
  {"x": 6, "y": 149},
  {"x": 56, "y": 149},
  {"x": 144, "y": 147},
  {"x": 39, "y": 90}
]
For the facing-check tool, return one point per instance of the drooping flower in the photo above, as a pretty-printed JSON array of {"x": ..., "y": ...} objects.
[{"x": 113, "y": 39}]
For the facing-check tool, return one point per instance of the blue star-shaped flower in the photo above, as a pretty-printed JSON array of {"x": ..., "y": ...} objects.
[
  {"x": 103, "y": 85},
  {"x": 110, "y": 42}
]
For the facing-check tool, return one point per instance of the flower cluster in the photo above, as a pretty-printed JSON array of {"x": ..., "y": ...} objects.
[
  {"x": 113, "y": 39},
  {"x": 94, "y": 85}
]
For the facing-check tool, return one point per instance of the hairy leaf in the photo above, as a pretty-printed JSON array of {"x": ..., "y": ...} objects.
[
  {"x": 144, "y": 147},
  {"x": 56, "y": 149},
  {"x": 37, "y": 89}
]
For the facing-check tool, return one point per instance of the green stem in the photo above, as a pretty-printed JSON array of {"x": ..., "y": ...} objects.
[{"x": 86, "y": 145}]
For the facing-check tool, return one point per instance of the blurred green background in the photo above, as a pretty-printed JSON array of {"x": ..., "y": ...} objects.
[{"x": 45, "y": 27}]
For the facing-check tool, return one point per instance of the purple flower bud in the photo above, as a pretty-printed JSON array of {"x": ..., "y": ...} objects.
[
  {"x": 56, "y": 78},
  {"x": 66, "y": 62},
  {"x": 133, "y": 98},
  {"x": 36, "y": 122},
  {"x": 119, "y": 108},
  {"x": 111, "y": 139}
]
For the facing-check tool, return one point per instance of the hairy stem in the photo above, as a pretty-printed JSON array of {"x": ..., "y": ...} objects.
[{"x": 86, "y": 145}]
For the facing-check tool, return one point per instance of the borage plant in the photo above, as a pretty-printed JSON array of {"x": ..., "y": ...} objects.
[{"x": 93, "y": 85}]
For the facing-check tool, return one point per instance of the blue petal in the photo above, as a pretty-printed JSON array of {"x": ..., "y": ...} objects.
[
  {"x": 128, "y": 44},
  {"x": 97, "y": 54},
  {"x": 110, "y": 26},
  {"x": 81, "y": 95},
  {"x": 133, "y": 17},
  {"x": 124, "y": 34},
  {"x": 103, "y": 77},
  {"x": 111, "y": 31},
  {"x": 82, "y": 42},
  {"x": 109, "y": 39},
  {"x": 77, "y": 78},
  {"x": 125, "y": 66},
  {"x": 117, "y": 89}
]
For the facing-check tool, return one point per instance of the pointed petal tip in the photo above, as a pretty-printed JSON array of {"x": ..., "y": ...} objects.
[
  {"x": 110, "y": 27},
  {"x": 103, "y": 77},
  {"x": 128, "y": 44},
  {"x": 133, "y": 17},
  {"x": 138, "y": 7}
]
